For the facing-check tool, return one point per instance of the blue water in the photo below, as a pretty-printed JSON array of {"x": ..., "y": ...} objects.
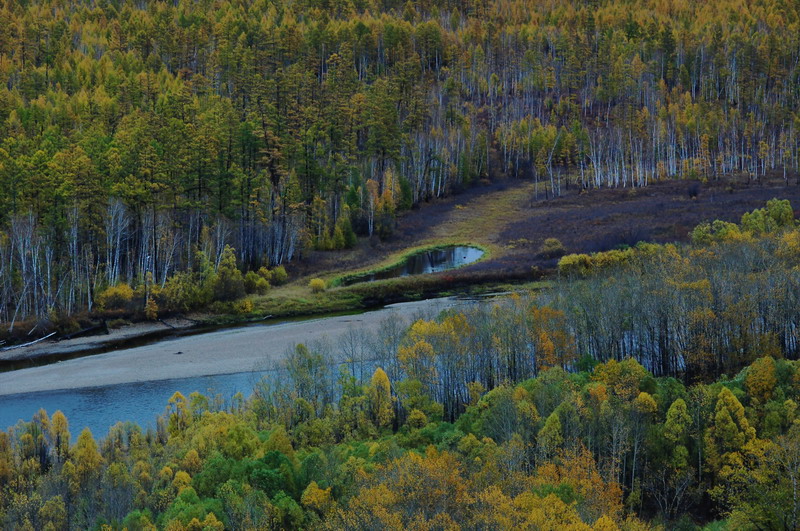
[{"x": 99, "y": 408}]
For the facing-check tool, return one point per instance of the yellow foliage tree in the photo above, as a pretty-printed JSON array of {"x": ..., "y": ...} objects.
[
  {"x": 279, "y": 441},
  {"x": 59, "y": 434},
  {"x": 578, "y": 469},
  {"x": 761, "y": 380},
  {"x": 413, "y": 491},
  {"x": 86, "y": 458},
  {"x": 621, "y": 377},
  {"x": 554, "y": 344},
  {"x": 317, "y": 499},
  {"x": 380, "y": 399}
]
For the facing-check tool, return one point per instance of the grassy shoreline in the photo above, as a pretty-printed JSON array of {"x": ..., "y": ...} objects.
[
  {"x": 379, "y": 293},
  {"x": 398, "y": 258}
]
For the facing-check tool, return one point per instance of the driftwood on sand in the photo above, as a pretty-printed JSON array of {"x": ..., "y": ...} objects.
[{"x": 28, "y": 343}]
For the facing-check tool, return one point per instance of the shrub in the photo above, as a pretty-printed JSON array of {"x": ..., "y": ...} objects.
[
  {"x": 718, "y": 231},
  {"x": 612, "y": 258},
  {"x": 115, "y": 297},
  {"x": 255, "y": 283},
  {"x": 185, "y": 291},
  {"x": 552, "y": 248},
  {"x": 575, "y": 265},
  {"x": 781, "y": 212},
  {"x": 243, "y": 307},
  {"x": 777, "y": 215},
  {"x": 265, "y": 273},
  {"x": 262, "y": 286},
  {"x": 250, "y": 281},
  {"x": 417, "y": 419},
  {"x": 279, "y": 275},
  {"x": 65, "y": 324},
  {"x": 317, "y": 285},
  {"x": 151, "y": 309}
]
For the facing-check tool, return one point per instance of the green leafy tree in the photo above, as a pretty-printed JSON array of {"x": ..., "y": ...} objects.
[{"x": 229, "y": 283}]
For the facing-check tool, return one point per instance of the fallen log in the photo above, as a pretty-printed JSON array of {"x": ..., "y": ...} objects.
[
  {"x": 102, "y": 328},
  {"x": 13, "y": 347},
  {"x": 162, "y": 321}
]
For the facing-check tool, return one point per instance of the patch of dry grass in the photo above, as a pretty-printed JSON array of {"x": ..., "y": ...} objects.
[
  {"x": 477, "y": 222},
  {"x": 482, "y": 219}
]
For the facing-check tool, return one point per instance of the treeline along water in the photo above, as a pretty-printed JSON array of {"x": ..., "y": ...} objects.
[{"x": 99, "y": 408}]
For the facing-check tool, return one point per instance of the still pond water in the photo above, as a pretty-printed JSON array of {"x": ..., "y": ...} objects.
[{"x": 432, "y": 261}]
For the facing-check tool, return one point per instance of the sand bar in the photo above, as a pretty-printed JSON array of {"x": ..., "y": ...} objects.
[{"x": 221, "y": 352}]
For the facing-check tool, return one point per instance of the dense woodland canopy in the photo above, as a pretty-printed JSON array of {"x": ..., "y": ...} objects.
[
  {"x": 551, "y": 411},
  {"x": 180, "y": 152},
  {"x": 136, "y": 135},
  {"x": 605, "y": 448}
]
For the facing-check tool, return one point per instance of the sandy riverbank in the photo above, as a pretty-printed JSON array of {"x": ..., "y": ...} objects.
[
  {"x": 222, "y": 352},
  {"x": 70, "y": 346}
]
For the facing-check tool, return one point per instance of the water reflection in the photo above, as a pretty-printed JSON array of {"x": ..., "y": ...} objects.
[{"x": 432, "y": 261}]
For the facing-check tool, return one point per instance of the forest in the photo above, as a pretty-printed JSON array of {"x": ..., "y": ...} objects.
[
  {"x": 671, "y": 404},
  {"x": 183, "y": 155},
  {"x": 139, "y": 139}
]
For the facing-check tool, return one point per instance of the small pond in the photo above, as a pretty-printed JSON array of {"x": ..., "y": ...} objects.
[{"x": 432, "y": 261}]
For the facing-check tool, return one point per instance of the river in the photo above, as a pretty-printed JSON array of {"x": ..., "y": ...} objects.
[
  {"x": 99, "y": 408},
  {"x": 134, "y": 384}
]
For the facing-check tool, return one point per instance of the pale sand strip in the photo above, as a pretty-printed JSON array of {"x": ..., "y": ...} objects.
[{"x": 221, "y": 352}]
